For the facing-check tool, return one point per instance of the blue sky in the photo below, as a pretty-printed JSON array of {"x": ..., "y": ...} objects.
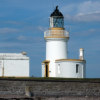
[{"x": 22, "y": 23}]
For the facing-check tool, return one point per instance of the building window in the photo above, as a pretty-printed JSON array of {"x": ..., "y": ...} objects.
[
  {"x": 77, "y": 68},
  {"x": 58, "y": 68}
]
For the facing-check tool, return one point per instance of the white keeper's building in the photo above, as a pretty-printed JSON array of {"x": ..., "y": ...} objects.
[
  {"x": 14, "y": 65},
  {"x": 57, "y": 63}
]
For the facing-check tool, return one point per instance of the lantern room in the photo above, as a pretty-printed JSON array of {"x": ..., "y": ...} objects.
[{"x": 56, "y": 19}]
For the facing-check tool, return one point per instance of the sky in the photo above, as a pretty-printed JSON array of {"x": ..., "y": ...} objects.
[{"x": 23, "y": 22}]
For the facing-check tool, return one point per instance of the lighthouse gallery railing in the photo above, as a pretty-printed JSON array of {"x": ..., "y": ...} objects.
[{"x": 58, "y": 33}]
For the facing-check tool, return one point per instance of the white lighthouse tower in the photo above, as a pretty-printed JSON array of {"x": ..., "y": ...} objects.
[{"x": 57, "y": 63}]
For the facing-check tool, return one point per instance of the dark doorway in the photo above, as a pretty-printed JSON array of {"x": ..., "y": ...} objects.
[{"x": 46, "y": 70}]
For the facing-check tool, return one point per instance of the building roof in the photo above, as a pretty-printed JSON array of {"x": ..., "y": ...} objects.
[
  {"x": 56, "y": 13},
  {"x": 71, "y": 60},
  {"x": 13, "y": 56}
]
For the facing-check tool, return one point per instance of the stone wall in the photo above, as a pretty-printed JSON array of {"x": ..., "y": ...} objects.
[{"x": 49, "y": 89}]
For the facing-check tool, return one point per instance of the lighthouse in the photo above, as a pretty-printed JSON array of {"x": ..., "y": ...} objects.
[{"x": 57, "y": 63}]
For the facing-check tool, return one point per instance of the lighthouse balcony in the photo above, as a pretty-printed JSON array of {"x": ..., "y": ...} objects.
[{"x": 56, "y": 34}]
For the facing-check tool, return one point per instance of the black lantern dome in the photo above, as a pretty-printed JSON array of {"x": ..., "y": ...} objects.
[
  {"x": 56, "y": 13},
  {"x": 56, "y": 19}
]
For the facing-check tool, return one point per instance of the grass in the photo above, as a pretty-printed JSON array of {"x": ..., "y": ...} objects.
[{"x": 49, "y": 79}]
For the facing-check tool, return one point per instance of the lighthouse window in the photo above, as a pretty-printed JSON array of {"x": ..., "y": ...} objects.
[
  {"x": 58, "y": 22},
  {"x": 77, "y": 68}
]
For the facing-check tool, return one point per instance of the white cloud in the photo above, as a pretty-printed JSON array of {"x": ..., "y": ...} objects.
[
  {"x": 22, "y": 38},
  {"x": 87, "y": 17},
  {"x": 14, "y": 22},
  {"x": 8, "y": 30},
  {"x": 12, "y": 45},
  {"x": 42, "y": 28},
  {"x": 85, "y": 11},
  {"x": 89, "y": 7}
]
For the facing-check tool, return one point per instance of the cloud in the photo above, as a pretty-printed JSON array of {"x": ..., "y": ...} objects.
[
  {"x": 24, "y": 28},
  {"x": 42, "y": 28},
  {"x": 85, "y": 33},
  {"x": 12, "y": 45},
  {"x": 22, "y": 38},
  {"x": 87, "y": 11},
  {"x": 90, "y": 17},
  {"x": 8, "y": 30},
  {"x": 10, "y": 22},
  {"x": 89, "y": 7}
]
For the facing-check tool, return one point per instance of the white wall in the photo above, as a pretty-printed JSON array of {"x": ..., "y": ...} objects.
[
  {"x": 14, "y": 65},
  {"x": 1, "y": 67},
  {"x": 68, "y": 69},
  {"x": 56, "y": 49},
  {"x": 16, "y": 68},
  {"x": 43, "y": 70}
]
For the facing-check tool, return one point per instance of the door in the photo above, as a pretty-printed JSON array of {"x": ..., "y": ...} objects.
[{"x": 46, "y": 69}]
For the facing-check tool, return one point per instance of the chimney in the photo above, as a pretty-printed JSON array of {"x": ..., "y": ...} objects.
[
  {"x": 24, "y": 53},
  {"x": 81, "y": 53}
]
